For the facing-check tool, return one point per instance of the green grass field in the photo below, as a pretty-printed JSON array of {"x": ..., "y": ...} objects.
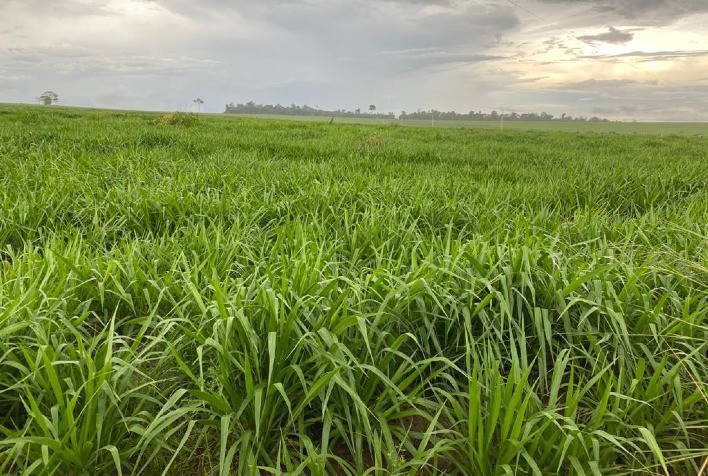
[
  {"x": 655, "y": 128},
  {"x": 249, "y": 296}
]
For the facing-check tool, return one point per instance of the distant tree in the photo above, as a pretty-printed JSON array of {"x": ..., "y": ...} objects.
[
  {"x": 372, "y": 108},
  {"x": 199, "y": 103},
  {"x": 48, "y": 98}
]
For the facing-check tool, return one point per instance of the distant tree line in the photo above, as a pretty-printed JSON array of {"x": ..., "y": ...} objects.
[
  {"x": 294, "y": 110},
  {"x": 496, "y": 116}
]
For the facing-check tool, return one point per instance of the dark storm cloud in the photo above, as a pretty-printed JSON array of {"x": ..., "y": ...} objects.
[{"x": 612, "y": 35}]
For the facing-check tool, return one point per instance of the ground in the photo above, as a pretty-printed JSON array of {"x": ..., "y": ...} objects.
[{"x": 244, "y": 295}]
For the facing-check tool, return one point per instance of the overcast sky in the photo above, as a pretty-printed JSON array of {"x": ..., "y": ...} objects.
[{"x": 623, "y": 59}]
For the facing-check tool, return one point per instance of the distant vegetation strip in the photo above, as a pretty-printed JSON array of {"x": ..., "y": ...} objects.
[
  {"x": 295, "y": 110},
  {"x": 622, "y": 128}
]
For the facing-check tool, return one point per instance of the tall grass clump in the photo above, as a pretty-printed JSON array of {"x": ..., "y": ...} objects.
[
  {"x": 187, "y": 119},
  {"x": 297, "y": 298}
]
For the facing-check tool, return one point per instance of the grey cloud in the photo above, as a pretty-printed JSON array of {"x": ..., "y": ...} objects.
[
  {"x": 447, "y": 54},
  {"x": 301, "y": 51},
  {"x": 644, "y": 12},
  {"x": 498, "y": 41},
  {"x": 609, "y": 83},
  {"x": 651, "y": 91},
  {"x": 434, "y": 56},
  {"x": 353, "y": 33},
  {"x": 393, "y": 24},
  {"x": 629, "y": 99},
  {"x": 357, "y": 20},
  {"x": 61, "y": 8},
  {"x": 612, "y": 35},
  {"x": 69, "y": 60},
  {"x": 220, "y": 6},
  {"x": 423, "y": 2},
  {"x": 599, "y": 86},
  {"x": 656, "y": 112},
  {"x": 645, "y": 56}
]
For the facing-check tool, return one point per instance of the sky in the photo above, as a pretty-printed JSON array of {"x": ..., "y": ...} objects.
[{"x": 620, "y": 59}]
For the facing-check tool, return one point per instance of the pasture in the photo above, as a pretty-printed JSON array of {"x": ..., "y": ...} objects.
[
  {"x": 653, "y": 128},
  {"x": 251, "y": 296}
]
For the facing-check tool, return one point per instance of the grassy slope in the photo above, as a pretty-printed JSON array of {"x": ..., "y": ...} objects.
[{"x": 330, "y": 298}]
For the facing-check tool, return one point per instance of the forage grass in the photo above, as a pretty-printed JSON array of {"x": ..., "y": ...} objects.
[{"x": 270, "y": 297}]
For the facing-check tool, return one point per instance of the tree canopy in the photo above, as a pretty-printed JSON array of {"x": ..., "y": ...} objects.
[{"x": 48, "y": 98}]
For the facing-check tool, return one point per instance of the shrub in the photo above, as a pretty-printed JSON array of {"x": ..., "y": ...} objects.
[{"x": 179, "y": 119}]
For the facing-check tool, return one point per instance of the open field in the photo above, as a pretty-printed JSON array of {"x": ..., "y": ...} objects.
[
  {"x": 655, "y": 128},
  {"x": 698, "y": 129},
  {"x": 250, "y": 296}
]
